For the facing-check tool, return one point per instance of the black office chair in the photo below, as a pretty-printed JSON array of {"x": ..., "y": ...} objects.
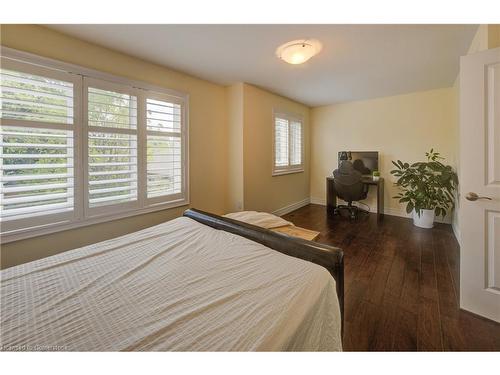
[{"x": 349, "y": 187}]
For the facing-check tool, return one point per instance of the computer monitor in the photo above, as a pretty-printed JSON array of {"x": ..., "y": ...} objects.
[{"x": 363, "y": 161}]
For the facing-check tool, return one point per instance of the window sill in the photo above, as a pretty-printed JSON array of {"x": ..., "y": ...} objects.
[
  {"x": 31, "y": 232},
  {"x": 287, "y": 171}
]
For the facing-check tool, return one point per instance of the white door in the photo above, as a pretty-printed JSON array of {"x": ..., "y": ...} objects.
[{"x": 479, "y": 219}]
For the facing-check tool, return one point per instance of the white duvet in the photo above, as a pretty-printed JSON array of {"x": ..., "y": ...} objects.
[{"x": 178, "y": 286}]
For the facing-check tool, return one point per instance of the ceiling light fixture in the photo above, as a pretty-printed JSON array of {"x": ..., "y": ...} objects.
[{"x": 298, "y": 51}]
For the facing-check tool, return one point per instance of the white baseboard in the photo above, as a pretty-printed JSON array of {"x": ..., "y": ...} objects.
[
  {"x": 387, "y": 211},
  {"x": 320, "y": 201},
  {"x": 291, "y": 207}
]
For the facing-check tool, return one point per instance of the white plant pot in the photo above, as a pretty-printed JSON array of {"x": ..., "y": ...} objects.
[{"x": 425, "y": 220}]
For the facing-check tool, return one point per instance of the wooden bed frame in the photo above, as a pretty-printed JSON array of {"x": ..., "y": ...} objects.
[{"x": 331, "y": 258}]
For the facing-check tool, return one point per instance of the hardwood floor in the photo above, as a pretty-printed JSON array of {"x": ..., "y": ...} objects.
[{"x": 401, "y": 284}]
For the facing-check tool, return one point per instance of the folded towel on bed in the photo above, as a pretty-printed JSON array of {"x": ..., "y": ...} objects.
[{"x": 261, "y": 219}]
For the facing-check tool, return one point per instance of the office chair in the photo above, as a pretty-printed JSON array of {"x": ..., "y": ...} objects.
[{"x": 349, "y": 187}]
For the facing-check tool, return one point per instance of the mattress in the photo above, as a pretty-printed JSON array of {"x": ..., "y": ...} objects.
[{"x": 177, "y": 286}]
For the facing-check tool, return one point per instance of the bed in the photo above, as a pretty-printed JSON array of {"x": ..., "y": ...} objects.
[{"x": 196, "y": 283}]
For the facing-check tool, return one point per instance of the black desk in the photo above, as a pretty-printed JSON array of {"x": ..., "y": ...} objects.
[{"x": 331, "y": 194}]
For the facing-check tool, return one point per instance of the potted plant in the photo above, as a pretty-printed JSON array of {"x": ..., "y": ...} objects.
[
  {"x": 376, "y": 175},
  {"x": 426, "y": 187}
]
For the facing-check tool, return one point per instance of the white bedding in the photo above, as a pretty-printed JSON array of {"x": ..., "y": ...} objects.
[{"x": 178, "y": 286}]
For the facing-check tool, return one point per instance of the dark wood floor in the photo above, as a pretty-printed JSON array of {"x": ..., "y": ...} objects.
[{"x": 401, "y": 284}]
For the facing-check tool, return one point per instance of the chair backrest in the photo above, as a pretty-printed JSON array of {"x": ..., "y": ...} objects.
[{"x": 348, "y": 183}]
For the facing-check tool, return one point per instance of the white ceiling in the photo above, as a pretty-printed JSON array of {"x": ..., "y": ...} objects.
[{"x": 357, "y": 61}]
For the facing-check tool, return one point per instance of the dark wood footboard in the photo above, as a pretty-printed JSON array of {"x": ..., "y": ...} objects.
[{"x": 331, "y": 258}]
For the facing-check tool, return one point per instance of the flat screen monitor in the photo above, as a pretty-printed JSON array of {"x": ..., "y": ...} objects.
[{"x": 363, "y": 161}]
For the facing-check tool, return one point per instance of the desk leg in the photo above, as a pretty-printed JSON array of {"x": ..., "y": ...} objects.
[
  {"x": 380, "y": 201},
  {"x": 331, "y": 197}
]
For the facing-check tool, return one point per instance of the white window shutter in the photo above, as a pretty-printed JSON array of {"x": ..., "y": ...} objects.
[
  {"x": 112, "y": 159},
  {"x": 37, "y": 172},
  {"x": 288, "y": 144},
  {"x": 295, "y": 143},
  {"x": 37, "y": 98},
  {"x": 164, "y": 147},
  {"x": 281, "y": 142},
  {"x": 36, "y": 146},
  {"x": 112, "y": 176},
  {"x": 77, "y": 150}
]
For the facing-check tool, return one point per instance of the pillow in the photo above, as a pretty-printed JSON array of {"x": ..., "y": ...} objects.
[{"x": 261, "y": 219}]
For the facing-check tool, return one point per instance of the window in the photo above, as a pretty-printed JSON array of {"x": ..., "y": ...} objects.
[
  {"x": 77, "y": 149},
  {"x": 36, "y": 146},
  {"x": 288, "y": 144},
  {"x": 164, "y": 146},
  {"x": 112, "y": 159}
]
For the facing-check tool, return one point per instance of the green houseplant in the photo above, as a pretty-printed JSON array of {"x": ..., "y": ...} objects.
[{"x": 426, "y": 187}]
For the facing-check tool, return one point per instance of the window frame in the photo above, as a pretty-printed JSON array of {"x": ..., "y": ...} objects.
[
  {"x": 81, "y": 216},
  {"x": 75, "y": 128},
  {"x": 184, "y": 145},
  {"x": 100, "y": 84},
  {"x": 288, "y": 169}
]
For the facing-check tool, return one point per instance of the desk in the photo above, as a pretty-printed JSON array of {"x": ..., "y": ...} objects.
[{"x": 331, "y": 194}]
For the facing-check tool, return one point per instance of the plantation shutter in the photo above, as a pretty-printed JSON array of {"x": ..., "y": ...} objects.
[
  {"x": 85, "y": 147},
  {"x": 165, "y": 147},
  {"x": 37, "y": 112},
  {"x": 112, "y": 149},
  {"x": 295, "y": 143},
  {"x": 281, "y": 142},
  {"x": 288, "y": 144}
]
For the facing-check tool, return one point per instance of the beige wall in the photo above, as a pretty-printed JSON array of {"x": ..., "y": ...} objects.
[
  {"x": 262, "y": 191},
  {"x": 207, "y": 143},
  {"x": 405, "y": 125},
  {"x": 486, "y": 37},
  {"x": 235, "y": 119},
  {"x": 399, "y": 127},
  {"x": 493, "y": 36},
  {"x": 480, "y": 40}
]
